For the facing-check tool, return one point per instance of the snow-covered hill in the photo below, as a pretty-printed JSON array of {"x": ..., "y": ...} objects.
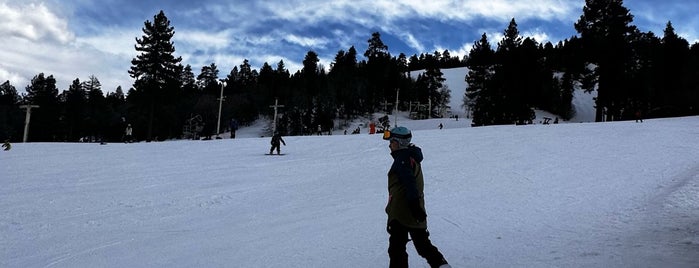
[
  {"x": 615, "y": 194},
  {"x": 456, "y": 81}
]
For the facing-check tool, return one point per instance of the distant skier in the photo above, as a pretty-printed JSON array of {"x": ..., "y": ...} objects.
[
  {"x": 7, "y": 146},
  {"x": 234, "y": 127},
  {"x": 406, "y": 204},
  {"x": 276, "y": 140},
  {"x": 128, "y": 134},
  {"x": 441, "y": 126},
  {"x": 638, "y": 116}
]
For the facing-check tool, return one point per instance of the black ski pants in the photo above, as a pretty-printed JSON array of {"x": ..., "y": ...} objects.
[
  {"x": 275, "y": 146},
  {"x": 399, "y": 238}
]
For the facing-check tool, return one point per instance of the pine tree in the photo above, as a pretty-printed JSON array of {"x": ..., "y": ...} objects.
[
  {"x": 345, "y": 80},
  {"x": 376, "y": 71},
  {"x": 478, "y": 97},
  {"x": 435, "y": 91},
  {"x": 98, "y": 118},
  {"x": 693, "y": 79},
  {"x": 45, "y": 120},
  {"x": 11, "y": 118},
  {"x": 673, "y": 65},
  {"x": 116, "y": 107},
  {"x": 511, "y": 82},
  {"x": 75, "y": 113},
  {"x": 605, "y": 27},
  {"x": 207, "y": 80},
  {"x": 156, "y": 71},
  {"x": 240, "y": 92}
]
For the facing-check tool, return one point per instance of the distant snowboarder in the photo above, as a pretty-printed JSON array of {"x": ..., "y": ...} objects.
[
  {"x": 276, "y": 140},
  {"x": 7, "y": 146}
]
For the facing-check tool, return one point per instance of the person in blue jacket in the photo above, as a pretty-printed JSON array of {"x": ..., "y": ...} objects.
[{"x": 406, "y": 203}]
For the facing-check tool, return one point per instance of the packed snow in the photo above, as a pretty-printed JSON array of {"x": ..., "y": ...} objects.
[{"x": 613, "y": 194}]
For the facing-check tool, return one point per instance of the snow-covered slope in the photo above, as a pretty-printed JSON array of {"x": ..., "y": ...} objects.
[
  {"x": 456, "y": 81},
  {"x": 616, "y": 194}
]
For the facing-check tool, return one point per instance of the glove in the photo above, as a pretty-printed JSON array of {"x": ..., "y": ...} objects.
[{"x": 417, "y": 211}]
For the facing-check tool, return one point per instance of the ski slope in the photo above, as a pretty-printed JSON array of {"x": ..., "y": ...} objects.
[
  {"x": 455, "y": 80},
  {"x": 614, "y": 194}
]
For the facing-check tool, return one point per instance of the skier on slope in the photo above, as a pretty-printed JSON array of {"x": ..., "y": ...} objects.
[
  {"x": 7, "y": 146},
  {"x": 128, "y": 134},
  {"x": 276, "y": 139},
  {"x": 406, "y": 204}
]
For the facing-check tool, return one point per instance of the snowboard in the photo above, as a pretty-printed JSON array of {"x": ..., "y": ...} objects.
[{"x": 275, "y": 154}]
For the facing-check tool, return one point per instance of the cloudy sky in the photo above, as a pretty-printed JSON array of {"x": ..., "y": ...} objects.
[{"x": 72, "y": 39}]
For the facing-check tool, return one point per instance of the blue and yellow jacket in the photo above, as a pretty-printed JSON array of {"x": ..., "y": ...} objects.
[{"x": 405, "y": 185}]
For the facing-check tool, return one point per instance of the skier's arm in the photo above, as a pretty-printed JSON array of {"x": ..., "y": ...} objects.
[{"x": 404, "y": 170}]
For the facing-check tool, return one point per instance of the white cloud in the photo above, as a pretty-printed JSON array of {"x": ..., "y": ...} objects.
[
  {"x": 463, "y": 50},
  {"x": 310, "y": 42},
  {"x": 33, "y": 22},
  {"x": 201, "y": 39},
  {"x": 538, "y": 35},
  {"x": 117, "y": 41},
  {"x": 15, "y": 79},
  {"x": 38, "y": 41},
  {"x": 379, "y": 12},
  {"x": 412, "y": 42}
]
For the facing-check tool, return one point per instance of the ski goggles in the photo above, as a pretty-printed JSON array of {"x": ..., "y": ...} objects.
[{"x": 388, "y": 135}]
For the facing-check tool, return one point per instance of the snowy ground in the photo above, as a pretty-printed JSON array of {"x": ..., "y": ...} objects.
[
  {"x": 615, "y": 194},
  {"x": 456, "y": 82}
]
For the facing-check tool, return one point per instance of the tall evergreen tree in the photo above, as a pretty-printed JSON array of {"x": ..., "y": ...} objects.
[
  {"x": 266, "y": 88},
  {"x": 75, "y": 113},
  {"x": 207, "y": 80},
  {"x": 481, "y": 67},
  {"x": 282, "y": 76},
  {"x": 45, "y": 121},
  {"x": 605, "y": 27},
  {"x": 673, "y": 65},
  {"x": 376, "y": 71},
  {"x": 10, "y": 114},
  {"x": 155, "y": 72},
  {"x": 98, "y": 118},
  {"x": 432, "y": 90},
  {"x": 693, "y": 79},
  {"x": 116, "y": 106},
  {"x": 512, "y": 80},
  {"x": 241, "y": 91},
  {"x": 345, "y": 80}
]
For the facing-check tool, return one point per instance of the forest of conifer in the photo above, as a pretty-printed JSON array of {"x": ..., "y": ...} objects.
[{"x": 633, "y": 72}]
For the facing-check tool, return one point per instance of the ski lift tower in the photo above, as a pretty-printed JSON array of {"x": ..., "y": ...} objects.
[
  {"x": 220, "y": 104},
  {"x": 274, "y": 120},
  {"x": 395, "y": 112},
  {"x": 27, "y": 118}
]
